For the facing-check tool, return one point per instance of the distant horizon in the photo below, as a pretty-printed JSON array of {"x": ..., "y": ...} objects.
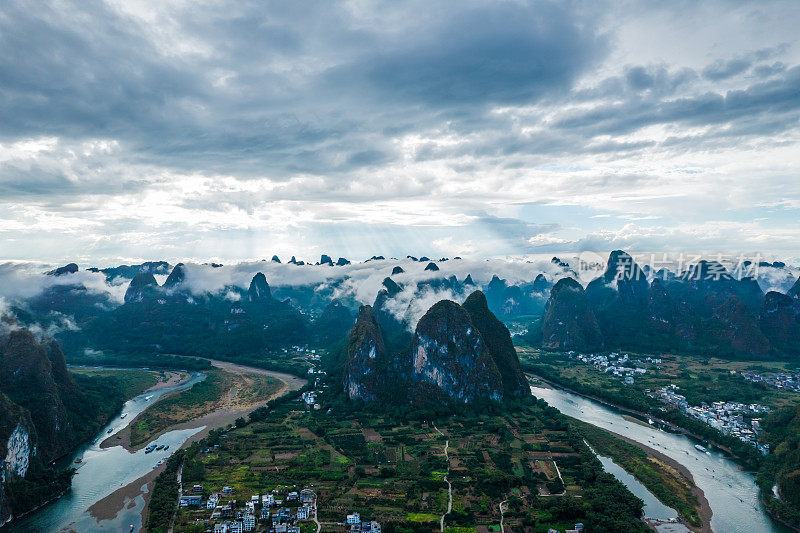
[{"x": 689, "y": 256}]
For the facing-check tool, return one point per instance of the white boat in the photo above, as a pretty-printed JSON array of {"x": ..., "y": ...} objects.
[
  {"x": 701, "y": 448},
  {"x": 123, "y": 415},
  {"x": 147, "y": 398}
]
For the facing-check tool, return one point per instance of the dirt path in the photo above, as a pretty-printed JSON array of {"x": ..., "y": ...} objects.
[
  {"x": 109, "y": 507},
  {"x": 449, "y": 485}
]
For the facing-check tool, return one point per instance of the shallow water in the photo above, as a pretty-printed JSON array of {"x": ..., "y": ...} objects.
[{"x": 102, "y": 471}]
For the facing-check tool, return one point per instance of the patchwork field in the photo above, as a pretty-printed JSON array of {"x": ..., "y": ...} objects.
[{"x": 391, "y": 468}]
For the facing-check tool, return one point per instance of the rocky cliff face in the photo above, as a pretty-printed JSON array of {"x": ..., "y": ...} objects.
[
  {"x": 623, "y": 282},
  {"x": 569, "y": 322},
  {"x": 498, "y": 340},
  {"x": 176, "y": 277},
  {"x": 366, "y": 374},
  {"x": 259, "y": 290},
  {"x": 334, "y": 323},
  {"x": 448, "y": 352},
  {"x": 704, "y": 310},
  {"x": 780, "y": 320},
  {"x": 794, "y": 292},
  {"x": 457, "y": 353},
  {"x": 71, "y": 268},
  {"x": 38, "y": 404},
  {"x": 394, "y": 329},
  {"x": 129, "y": 271},
  {"x": 17, "y": 448},
  {"x": 738, "y": 329},
  {"x": 34, "y": 377}
]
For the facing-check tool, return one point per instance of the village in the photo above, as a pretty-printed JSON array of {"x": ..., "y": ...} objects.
[
  {"x": 280, "y": 511},
  {"x": 618, "y": 365},
  {"x": 731, "y": 418},
  {"x": 779, "y": 380}
]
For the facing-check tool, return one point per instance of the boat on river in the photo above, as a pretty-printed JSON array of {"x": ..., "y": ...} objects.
[{"x": 701, "y": 448}]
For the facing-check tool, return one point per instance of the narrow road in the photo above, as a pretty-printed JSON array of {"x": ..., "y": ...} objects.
[
  {"x": 449, "y": 485},
  {"x": 180, "y": 493},
  {"x": 316, "y": 521},
  {"x": 502, "y": 516}
]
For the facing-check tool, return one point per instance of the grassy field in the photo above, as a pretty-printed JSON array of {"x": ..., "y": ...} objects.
[
  {"x": 219, "y": 390},
  {"x": 131, "y": 382}
]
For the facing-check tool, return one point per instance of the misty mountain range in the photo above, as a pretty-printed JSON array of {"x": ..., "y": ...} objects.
[{"x": 257, "y": 307}]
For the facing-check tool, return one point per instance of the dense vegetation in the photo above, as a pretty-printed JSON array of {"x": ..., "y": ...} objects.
[
  {"x": 698, "y": 384},
  {"x": 127, "y": 383},
  {"x": 700, "y": 380},
  {"x": 703, "y": 310},
  {"x": 165, "y": 495},
  {"x": 57, "y": 409},
  {"x": 139, "y": 360},
  {"x": 782, "y": 466}
]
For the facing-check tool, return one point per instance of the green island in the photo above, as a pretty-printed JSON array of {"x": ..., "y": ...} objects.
[
  {"x": 128, "y": 382},
  {"x": 665, "y": 482}
]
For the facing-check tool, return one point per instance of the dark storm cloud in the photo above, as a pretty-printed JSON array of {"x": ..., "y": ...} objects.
[
  {"x": 760, "y": 99},
  {"x": 146, "y": 120},
  {"x": 494, "y": 53},
  {"x": 278, "y": 88},
  {"x": 721, "y": 70}
]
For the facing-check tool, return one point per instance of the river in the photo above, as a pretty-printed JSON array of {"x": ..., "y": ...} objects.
[
  {"x": 731, "y": 493},
  {"x": 102, "y": 471}
]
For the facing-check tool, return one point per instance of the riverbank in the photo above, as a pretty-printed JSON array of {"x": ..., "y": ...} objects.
[
  {"x": 671, "y": 426},
  {"x": 732, "y": 493},
  {"x": 223, "y": 411},
  {"x": 109, "y": 507},
  {"x": 703, "y": 508}
]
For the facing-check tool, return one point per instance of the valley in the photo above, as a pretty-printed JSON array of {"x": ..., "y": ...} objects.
[{"x": 415, "y": 412}]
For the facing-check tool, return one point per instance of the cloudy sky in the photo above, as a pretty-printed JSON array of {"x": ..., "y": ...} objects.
[{"x": 135, "y": 129}]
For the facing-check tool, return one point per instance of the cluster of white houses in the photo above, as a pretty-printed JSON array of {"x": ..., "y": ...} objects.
[
  {"x": 779, "y": 380},
  {"x": 617, "y": 365},
  {"x": 279, "y": 512},
  {"x": 361, "y": 526},
  {"x": 731, "y": 418}
]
